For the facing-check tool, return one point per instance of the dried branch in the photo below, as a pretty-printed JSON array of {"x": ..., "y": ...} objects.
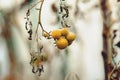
[
  {"x": 107, "y": 23},
  {"x": 37, "y": 58}
]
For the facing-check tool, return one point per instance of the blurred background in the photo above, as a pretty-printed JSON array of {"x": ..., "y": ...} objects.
[{"x": 82, "y": 60}]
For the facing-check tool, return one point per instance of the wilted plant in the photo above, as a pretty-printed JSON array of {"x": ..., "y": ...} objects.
[{"x": 62, "y": 37}]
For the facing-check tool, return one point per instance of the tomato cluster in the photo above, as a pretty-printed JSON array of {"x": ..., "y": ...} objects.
[{"x": 63, "y": 37}]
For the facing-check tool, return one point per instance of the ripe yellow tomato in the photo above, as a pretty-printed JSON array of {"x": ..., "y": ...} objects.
[
  {"x": 56, "y": 34},
  {"x": 71, "y": 36},
  {"x": 62, "y": 43},
  {"x": 64, "y": 31}
]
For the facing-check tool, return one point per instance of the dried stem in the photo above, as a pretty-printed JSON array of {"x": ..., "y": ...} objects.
[
  {"x": 106, "y": 35},
  {"x": 39, "y": 18},
  {"x": 108, "y": 40},
  {"x": 39, "y": 22},
  {"x": 35, "y": 4}
]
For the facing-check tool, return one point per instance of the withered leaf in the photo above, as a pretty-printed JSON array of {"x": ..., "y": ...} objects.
[
  {"x": 118, "y": 44},
  {"x": 114, "y": 32}
]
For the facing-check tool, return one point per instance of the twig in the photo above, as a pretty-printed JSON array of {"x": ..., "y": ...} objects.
[
  {"x": 39, "y": 22},
  {"x": 35, "y": 4}
]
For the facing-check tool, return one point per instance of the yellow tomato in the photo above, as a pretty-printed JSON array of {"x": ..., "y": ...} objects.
[
  {"x": 64, "y": 31},
  {"x": 71, "y": 36},
  {"x": 56, "y": 34},
  {"x": 62, "y": 43}
]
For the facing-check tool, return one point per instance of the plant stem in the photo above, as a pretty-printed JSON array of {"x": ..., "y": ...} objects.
[{"x": 106, "y": 36}]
